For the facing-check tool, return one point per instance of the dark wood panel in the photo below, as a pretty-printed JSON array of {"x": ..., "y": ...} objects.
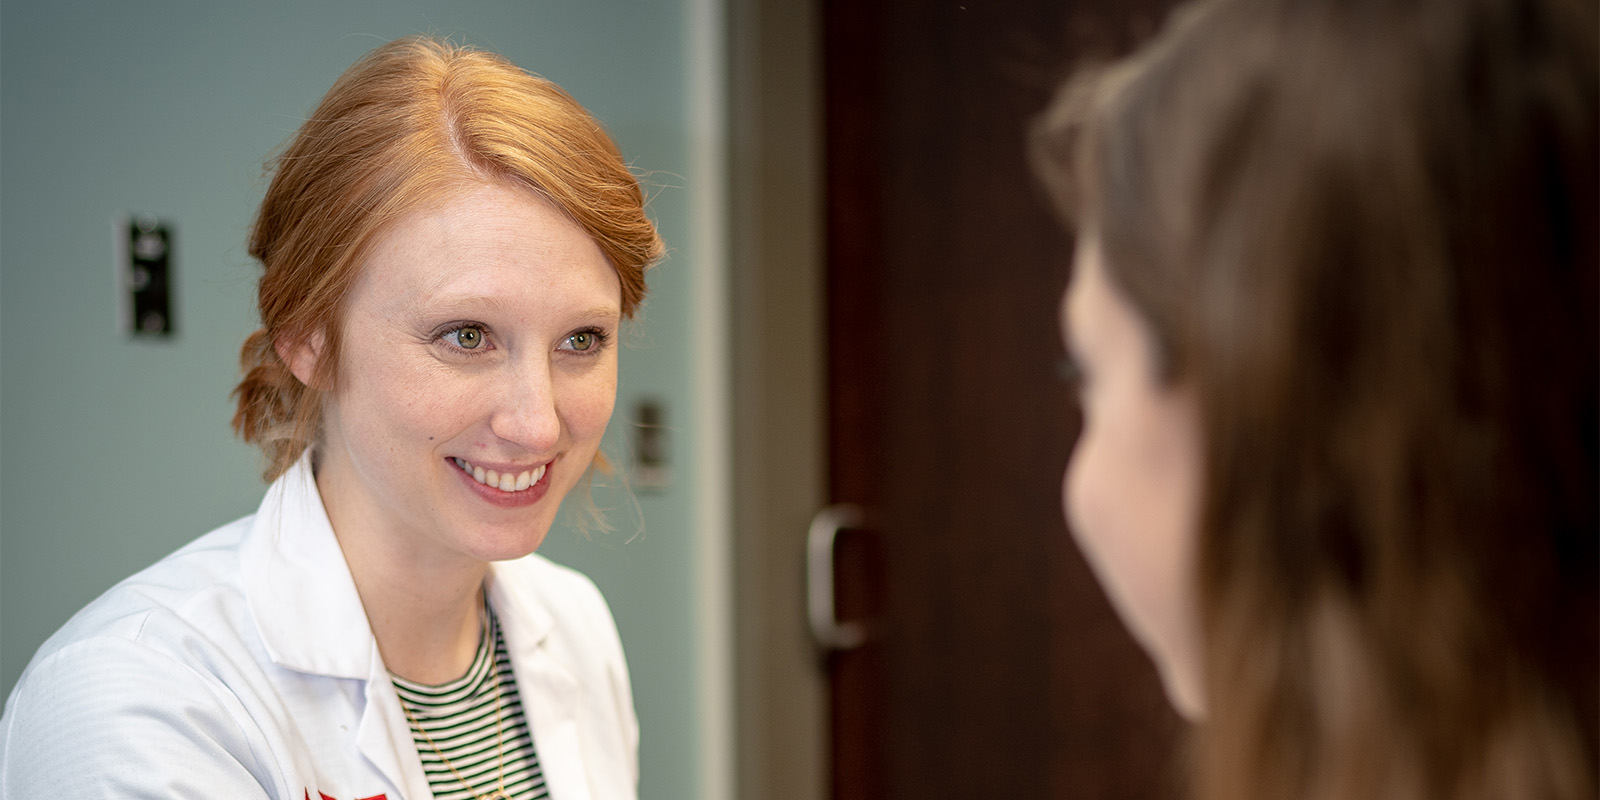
[
  {"x": 1002, "y": 672},
  {"x": 856, "y": 359}
]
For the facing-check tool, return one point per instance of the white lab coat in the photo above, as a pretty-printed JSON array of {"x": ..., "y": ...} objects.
[{"x": 242, "y": 666}]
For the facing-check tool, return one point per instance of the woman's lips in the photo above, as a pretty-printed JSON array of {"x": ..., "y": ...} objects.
[
  {"x": 527, "y": 486},
  {"x": 504, "y": 481}
]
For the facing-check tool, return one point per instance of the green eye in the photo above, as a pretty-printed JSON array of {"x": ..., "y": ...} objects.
[
  {"x": 587, "y": 341},
  {"x": 469, "y": 337}
]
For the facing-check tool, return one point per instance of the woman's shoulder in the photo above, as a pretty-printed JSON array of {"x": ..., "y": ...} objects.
[
  {"x": 143, "y": 669},
  {"x": 192, "y": 595},
  {"x": 110, "y": 716}
]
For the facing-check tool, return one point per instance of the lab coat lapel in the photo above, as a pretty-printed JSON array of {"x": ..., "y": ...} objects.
[
  {"x": 384, "y": 736},
  {"x": 306, "y": 607},
  {"x": 551, "y": 697},
  {"x": 301, "y": 595}
]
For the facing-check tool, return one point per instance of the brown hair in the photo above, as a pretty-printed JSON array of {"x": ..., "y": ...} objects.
[
  {"x": 1365, "y": 233},
  {"x": 411, "y": 123}
]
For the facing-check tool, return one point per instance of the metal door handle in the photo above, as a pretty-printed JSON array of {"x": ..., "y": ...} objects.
[{"x": 826, "y": 628}]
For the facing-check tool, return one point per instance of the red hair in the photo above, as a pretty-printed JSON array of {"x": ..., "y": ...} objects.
[{"x": 410, "y": 124}]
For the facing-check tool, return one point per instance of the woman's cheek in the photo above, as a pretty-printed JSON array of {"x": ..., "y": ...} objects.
[
  {"x": 589, "y": 403},
  {"x": 1101, "y": 513},
  {"x": 1078, "y": 496}
]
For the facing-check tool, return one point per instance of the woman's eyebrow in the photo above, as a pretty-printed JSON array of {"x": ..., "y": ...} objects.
[
  {"x": 423, "y": 304},
  {"x": 608, "y": 313},
  {"x": 473, "y": 303}
]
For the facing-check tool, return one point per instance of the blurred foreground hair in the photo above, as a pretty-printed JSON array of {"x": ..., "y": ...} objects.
[{"x": 1365, "y": 233}]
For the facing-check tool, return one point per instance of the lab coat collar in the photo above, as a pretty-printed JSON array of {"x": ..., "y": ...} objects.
[
  {"x": 304, "y": 600},
  {"x": 560, "y": 696},
  {"x": 302, "y": 597},
  {"x": 305, "y": 604}
]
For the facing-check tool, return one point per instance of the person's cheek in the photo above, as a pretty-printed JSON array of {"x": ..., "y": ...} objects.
[
  {"x": 1078, "y": 493},
  {"x": 1098, "y": 511},
  {"x": 595, "y": 400}
]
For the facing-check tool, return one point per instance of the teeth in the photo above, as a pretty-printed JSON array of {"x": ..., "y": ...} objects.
[{"x": 504, "y": 481}]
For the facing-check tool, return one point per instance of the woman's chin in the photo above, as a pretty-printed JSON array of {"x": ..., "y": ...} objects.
[
  {"x": 508, "y": 545},
  {"x": 1184, "y": 692}
]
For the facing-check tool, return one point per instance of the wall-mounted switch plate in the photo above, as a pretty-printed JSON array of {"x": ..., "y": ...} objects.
[
  {"x": 145, "y": 283},
  {"x": 652, "y": 471}
]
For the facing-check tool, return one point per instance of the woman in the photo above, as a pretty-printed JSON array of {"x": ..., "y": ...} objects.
[
  {"x": 449, "y": 245},
  {"x": 1334, "y": 307}
]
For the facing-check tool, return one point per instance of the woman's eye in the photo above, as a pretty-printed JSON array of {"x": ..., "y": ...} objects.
[
  {"x": 467, "y": 337},
  {"x": 584, "y": 341}
]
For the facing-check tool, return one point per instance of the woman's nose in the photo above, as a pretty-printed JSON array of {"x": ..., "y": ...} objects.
[{"x": 526, "y": 413}]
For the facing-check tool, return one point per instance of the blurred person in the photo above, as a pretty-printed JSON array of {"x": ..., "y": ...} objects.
[
  {"x": 449, "y": 245},
  {"x": 1333, "y": 314}
]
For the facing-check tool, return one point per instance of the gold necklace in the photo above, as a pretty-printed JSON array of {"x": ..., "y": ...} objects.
[{"x": 499, "y": 736}]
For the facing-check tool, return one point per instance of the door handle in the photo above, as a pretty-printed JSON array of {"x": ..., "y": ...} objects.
[{"x": 826, "y": 629}]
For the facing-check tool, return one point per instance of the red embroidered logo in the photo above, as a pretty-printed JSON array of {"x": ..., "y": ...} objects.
[{"x": 322, "y": 796}]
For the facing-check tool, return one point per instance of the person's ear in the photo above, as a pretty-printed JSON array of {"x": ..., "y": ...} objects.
[{"x": 301, "y": 354}]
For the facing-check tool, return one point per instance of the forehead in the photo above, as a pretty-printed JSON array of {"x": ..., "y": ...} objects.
[{"x": 489, "y": 240}]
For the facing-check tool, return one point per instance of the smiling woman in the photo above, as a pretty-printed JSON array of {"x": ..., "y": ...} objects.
[
  {"x": 462, "y": 377},
  {"x": 449, "y": 246}
]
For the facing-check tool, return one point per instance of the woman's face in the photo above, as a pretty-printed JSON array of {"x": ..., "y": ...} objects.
[
  {"x": 1132, "y": 486},
  {"x": 479, "y": 371}
]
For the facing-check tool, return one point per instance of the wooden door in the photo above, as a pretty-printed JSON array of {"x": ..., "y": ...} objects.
[{"x": 999, "y": 669}]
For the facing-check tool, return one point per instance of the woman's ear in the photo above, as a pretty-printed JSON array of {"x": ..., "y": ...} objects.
[{"x": 301, "y": 355}]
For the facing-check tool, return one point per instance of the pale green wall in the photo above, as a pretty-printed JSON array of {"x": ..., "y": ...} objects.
[{"x": 114, "y": 452}]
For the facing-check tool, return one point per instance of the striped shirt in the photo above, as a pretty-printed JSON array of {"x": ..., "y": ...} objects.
[{"x": 476, "y": 722}]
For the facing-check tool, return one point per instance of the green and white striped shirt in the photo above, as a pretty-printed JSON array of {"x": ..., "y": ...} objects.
[{"x": 476, "y": 725}]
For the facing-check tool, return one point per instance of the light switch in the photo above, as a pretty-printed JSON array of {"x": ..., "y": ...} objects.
[
  {"x": 145, "y": 252},
  {"x": 651, "y": 471}
]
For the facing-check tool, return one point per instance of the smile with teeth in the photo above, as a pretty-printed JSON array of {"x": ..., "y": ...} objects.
[{"x": 504, "y": 481}]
